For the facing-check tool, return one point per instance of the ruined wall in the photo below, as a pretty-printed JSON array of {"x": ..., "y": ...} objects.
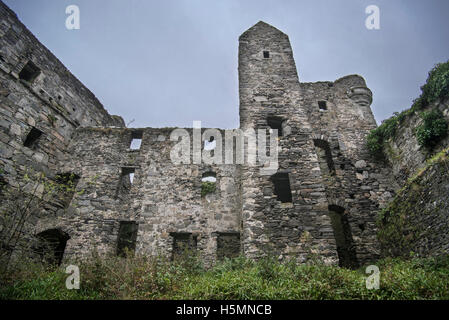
[
  {"x": 320, "y": 202},
  {"x": 41, "y": 105},
  {"x": 341, "y": 118},
  {"x": 417, "y": 220},
  {"x": 37, "y": 91},
  {"x": 403, "y": 152},
  {"x": 164, "y": 199}
]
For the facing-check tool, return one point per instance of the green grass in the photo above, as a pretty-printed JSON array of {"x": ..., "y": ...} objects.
[{"x": 240, "y": 278}]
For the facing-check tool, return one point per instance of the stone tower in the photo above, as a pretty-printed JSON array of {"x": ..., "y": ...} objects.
[{"x": 323, "y": 198}]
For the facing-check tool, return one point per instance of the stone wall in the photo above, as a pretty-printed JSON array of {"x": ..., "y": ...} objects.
[
  {"x": 164, "y": 199},
  {"x": 37, "y": 91},
  {"x": 41, "y": 106},
  {"x": 417, "y": 221},
  {"x": 403, "y": 152}
]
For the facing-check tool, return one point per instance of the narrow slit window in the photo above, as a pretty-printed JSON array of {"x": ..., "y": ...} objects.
[
  {"x": 322, "y": 105},
  {"x": 282, "y": 189},
  {"x": 3, "y": 184},
  {"x": 324, "y": 154},
  {"x": 266, "y": 54},
  {"x": 127, "y": 236},
  {"x": 32, "y": 138},
  {"x": 342, "y": 232},
  {"x": 29, "y": 72}
]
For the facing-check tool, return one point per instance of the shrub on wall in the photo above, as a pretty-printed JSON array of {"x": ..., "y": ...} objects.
[
  {"x": 437, "y": 85},
  {"x": 386, "y": 130},
  {"x": 432, "y": 130},
  {"x": 434, "y": 127},
  {"x": 207, "y": 187}
]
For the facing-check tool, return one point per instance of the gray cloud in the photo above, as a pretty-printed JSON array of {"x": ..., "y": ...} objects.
[{"x": 167, "y": 63}]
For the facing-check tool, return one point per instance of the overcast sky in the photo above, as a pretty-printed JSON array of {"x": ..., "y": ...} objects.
[{"x": 169, "y": 62}]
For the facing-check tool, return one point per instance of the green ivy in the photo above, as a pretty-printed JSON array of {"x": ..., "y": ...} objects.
[
  {"x": 207, "y": 187},
  {"x": 433, "y": 128}
]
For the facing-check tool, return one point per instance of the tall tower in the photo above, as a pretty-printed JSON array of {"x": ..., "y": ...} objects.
[
  {"x": 284, "y": 214},
  {"x": 267, "y": 73}
]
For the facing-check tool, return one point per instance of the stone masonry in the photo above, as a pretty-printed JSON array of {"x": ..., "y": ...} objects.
[{"x": 321, "y": 203}]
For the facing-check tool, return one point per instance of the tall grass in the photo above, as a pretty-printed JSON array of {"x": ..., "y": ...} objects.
[{"x": 240, "y": 278}]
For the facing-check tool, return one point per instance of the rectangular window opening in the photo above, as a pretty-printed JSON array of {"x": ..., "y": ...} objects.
[
  {"x": 275, "y": 123},
  {"x": 184, "y": 245},
  {"x": 136, "y": 140},
  {"x": 228, "y": 245},
  {"x": 127, "y": 236},
  {"x": 282, "y": 189},
  {"x": 266, "y": 54},
  {"x": 322, "y": 105},
  {"x": 126, "y": 181},
  {"x": 32, "y": 137},
  {"x": 29, "y": 72}
]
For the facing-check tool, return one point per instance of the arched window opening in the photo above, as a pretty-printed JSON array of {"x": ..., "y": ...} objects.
[
  {"x": 51, "y": 245},
  {"x": 342, "y": 232},
  {"x": 209, "y": 176},
  {"x": 324, "y": 154}
]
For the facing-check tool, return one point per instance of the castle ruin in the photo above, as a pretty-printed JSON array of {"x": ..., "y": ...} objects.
[{"x": 322, "y": 201}]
